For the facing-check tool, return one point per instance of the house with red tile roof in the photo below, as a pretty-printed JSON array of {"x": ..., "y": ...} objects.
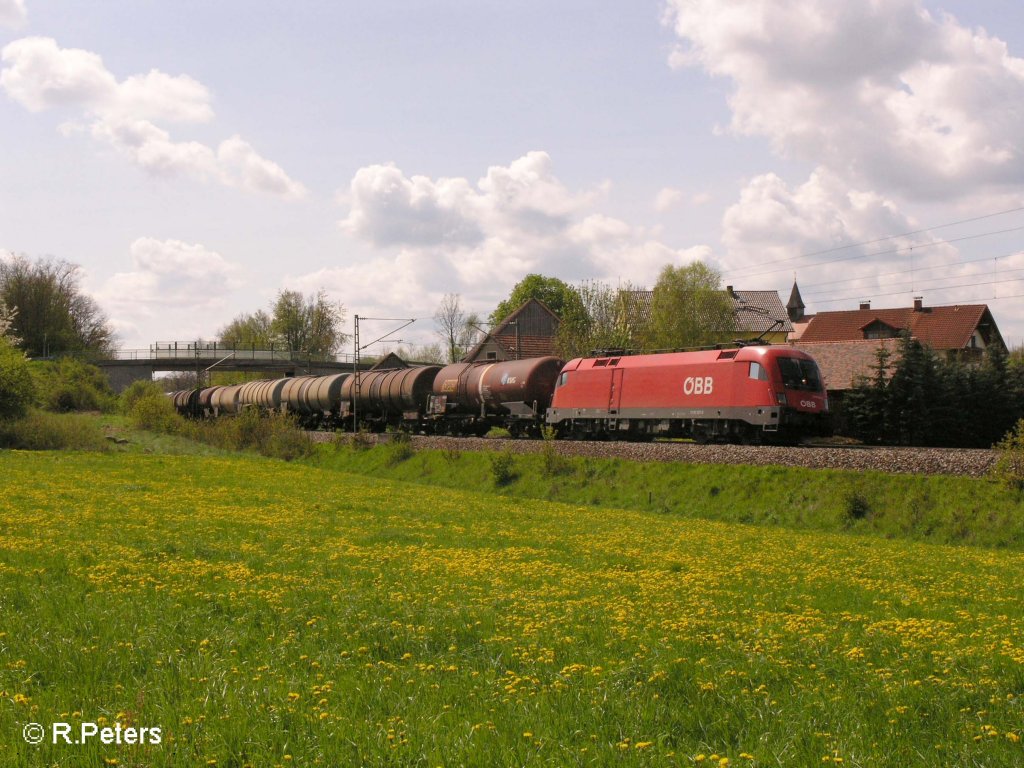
[{"x": 964, "y": 330}]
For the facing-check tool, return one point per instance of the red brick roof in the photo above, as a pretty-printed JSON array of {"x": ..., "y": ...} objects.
[
  {"x": 842, "y": 363},
  {"x": 938, "y": 327}
]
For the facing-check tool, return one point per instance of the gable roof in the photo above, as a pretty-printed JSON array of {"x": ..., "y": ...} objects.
[
  {"x": 522, "y": 345},
  {"x": 755, "y": 311},
  {"x": 938, "y": 327}
]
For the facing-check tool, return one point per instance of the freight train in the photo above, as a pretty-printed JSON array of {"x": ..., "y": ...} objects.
[{"x": 747, "y": 394}]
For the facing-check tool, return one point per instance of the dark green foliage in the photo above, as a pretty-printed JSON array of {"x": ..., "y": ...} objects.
[
  {"x": 503, "y": 468},
  {"x": 52, "y": 314},
  {"x": 16, "y": 386},
  {"x": 857, "y": 507},
  {"x": 930, "y": 400},
  {"x": 70, "y": 384}
]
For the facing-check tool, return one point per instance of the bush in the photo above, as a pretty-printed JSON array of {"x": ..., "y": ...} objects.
[
  {"x": 1009, "y": 467},
  {"x": 503, "y": 468},
  {"x": 155, "y": 412},
  {"x": 136, "y": 390},
  {"x": 857, "y": 507},
  {"x": 42, "y": 431},
  {"x": 17, "y": 389},
  {"x": 553, "y": 462},
  {"x": 72, "y": 385},
  {"x": 399, "y": 449}
]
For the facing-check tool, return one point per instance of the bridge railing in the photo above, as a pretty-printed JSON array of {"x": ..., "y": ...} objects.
[{"x": 213, "y": 351}]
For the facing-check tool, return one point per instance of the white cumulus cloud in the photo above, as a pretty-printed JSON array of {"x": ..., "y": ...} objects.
[
  {"x": 451, "y": 235},
  {"x": 882, "y": 92},
  {"x": 171, "y": 284},
  {"x": 40, "y": 75}
]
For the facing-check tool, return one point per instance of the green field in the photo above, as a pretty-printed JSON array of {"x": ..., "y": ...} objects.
[{"x": 263, "y": 613}]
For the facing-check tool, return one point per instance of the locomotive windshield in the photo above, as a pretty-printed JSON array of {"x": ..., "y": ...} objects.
[{"x": 800, "y": 374}]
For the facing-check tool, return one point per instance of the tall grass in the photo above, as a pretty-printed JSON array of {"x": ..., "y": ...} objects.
[{"x": 45, "y": 431}]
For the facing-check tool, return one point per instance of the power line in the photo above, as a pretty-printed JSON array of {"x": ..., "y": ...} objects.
[
  {"x": 888, "y": 237},
  {"x": 935, "y": 288},
  {"x": 906, "y": 248},
  {"x": 915, "y": 269}
]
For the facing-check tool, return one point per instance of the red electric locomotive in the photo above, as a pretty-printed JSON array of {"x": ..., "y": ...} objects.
[{"x": 749, "y": 394}]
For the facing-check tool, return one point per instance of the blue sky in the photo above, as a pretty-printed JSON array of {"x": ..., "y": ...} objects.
[{"x": 195, "y": 158}]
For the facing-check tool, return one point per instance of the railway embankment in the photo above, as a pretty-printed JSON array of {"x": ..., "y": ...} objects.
[{"x": 933, "y": 495}]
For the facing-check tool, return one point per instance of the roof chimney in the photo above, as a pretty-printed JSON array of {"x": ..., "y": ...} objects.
[
  {"x": 728, "y": 290},
  {"x": 918, "y": 303},
  {"x": 865, "y": 305}
]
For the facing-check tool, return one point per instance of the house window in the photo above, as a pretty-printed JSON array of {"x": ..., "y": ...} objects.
[
  {"x": 880, "y": 330},
  {"x": 492, "y": 356}
]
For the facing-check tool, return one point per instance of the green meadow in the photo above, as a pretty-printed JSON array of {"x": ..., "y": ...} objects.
[{"x": 266, "y": 613}]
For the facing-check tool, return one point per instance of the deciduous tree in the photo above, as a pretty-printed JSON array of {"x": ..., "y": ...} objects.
[
  {"x": 688, "y": 309},
  {"x": 53, "y": 315}
]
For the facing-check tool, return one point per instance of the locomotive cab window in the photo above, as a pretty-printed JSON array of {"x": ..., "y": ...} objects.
[
  {"x": 563, "y": 378},
  {"x": 758, "y": 372},
  {"x": 800, "y": 374}
]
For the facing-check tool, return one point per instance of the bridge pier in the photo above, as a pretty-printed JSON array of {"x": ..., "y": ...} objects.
[{"x": 123, "y": 376}]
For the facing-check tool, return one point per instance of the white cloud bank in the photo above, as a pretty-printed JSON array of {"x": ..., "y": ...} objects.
[
  {"x": 12, "y": 14},
  {"x": 882, "y": 92},
  {"x": 171, "y": 285},
  {"x": 40, "y": 75},
  {"x": 449, "y": 235}
]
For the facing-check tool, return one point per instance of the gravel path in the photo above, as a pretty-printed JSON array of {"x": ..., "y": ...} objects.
[{"x": 926, "y": 461}]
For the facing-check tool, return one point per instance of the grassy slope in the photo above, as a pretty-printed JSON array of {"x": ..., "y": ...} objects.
[
  {"x": 273, "y": 614},
  {"x": 941, "y": 509}
]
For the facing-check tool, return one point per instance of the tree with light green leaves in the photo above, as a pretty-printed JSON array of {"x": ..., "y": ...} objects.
[
  {"x": 310, "y": 324},
  {"x": 16, "y": 386},
  {"x": 688, "y": 309}
]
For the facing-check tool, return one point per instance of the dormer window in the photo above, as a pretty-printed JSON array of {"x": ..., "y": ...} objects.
[{"x": 876, "y": 329}]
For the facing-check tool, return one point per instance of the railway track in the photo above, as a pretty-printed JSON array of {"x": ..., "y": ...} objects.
[{"x": 929, "y": 461}]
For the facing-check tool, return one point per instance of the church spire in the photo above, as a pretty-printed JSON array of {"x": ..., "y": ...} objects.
[{"x": 795, "y": 306}]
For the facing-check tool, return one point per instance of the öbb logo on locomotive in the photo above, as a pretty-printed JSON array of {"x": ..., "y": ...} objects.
[
  {"x": 753, "y": 393},
  {"x": 698, "y": 385}
]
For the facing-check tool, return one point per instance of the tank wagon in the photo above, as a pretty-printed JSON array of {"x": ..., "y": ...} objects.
[
  {"x": 748, "y": 394},
  {"x": 470, "y": 398},
  {"x": 390, "y": 398}
]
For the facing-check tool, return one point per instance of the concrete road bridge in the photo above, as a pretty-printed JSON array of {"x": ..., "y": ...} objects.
[{"x": 128, "y": 365}]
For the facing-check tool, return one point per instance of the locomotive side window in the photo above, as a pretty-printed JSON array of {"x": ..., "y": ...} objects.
[
  {"x": 799, "y": 374},
  {"x": 563, "y": 378},
  {"x": 758, "y": 372}
]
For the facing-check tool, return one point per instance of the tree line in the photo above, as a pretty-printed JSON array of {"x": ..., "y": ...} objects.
[{"x": 918, "y": 397}]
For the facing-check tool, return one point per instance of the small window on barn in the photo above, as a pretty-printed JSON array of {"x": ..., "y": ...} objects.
[
  {"x": 758, "y": 372},
  {"x": 492, "y": 356}
]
